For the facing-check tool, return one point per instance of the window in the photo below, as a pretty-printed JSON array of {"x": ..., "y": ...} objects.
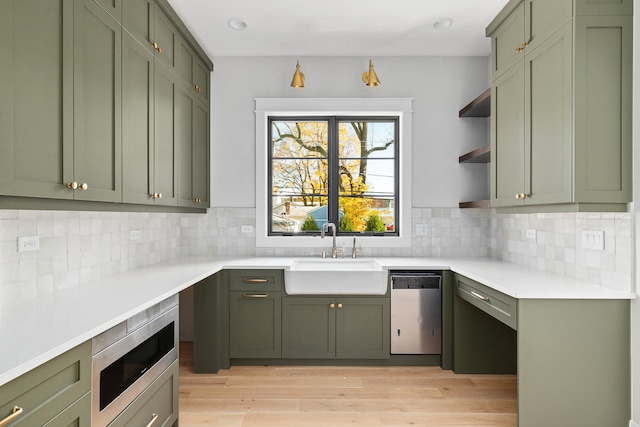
[
  {"x": 391, "y": 196},
  {"x": 337, "y": 169}
]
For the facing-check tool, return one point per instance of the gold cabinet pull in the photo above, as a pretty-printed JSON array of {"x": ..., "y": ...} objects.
[
  {"x": 481, "y": 297},
  {"x": 332, "y": 305},
  {"x": 339, "y": 305},
  {"x": 197, "y": 88},
  {"x": 157, "y": 195},
  {"x": 83, "y": 186},
  {"x": 245, "y": 280},
  {"x": 154, "y": 417},
  {"x": 15, "y": 413},
  {"x": 72, "y": 185},
  {"x": 522, "y": 47},
  {"x": 255, "y": 295},
  {"x": 197, "y": 200}
]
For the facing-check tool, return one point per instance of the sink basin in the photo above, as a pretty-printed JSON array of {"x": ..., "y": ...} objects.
[{"x": 331, "y": 276}]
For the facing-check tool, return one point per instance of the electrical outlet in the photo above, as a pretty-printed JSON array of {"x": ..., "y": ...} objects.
[
  {"x": 531, "y": 235},
  {"x": 421, "y": 229},
  {"x": 593, "y": 240},
  {"x": 136, "y": 234},
  {"x": 246, "y": 229},
  {"x": 29, "y": 243}
]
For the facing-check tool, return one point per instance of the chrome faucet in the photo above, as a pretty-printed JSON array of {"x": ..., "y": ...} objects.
[
  {"x": 355, "y": 251},
  {"x": 325, "y": 227}
]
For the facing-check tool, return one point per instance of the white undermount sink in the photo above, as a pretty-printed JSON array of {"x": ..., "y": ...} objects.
[{"x": 335, "y": 276}]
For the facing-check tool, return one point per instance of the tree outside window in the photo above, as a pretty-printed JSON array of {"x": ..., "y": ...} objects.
[{"x": 333, "y": 169}]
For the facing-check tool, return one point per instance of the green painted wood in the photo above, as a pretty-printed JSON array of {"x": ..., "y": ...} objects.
[
  {"x": 184, "y": 62},
  {"x": 97, "y": 103},
  {"x": 481, "y": 343},
  {"x": 255, "y": 325},
  {"x": 507, "y": 137},
  {"x": 258, "y": 280},
  {"x": 166, "y": 36},
  {"x": 112, "y": 7},
  {"x": 604, "y": 7},
  {"x": 201, "y": 155},
  {"x": 47, "y": 390},
  {"x": 160, "y": 398},
  {"x": 496, "y": 304},
  {"x": 505, "y": 39},
  {"x": 137, "y": 122},
  {"x": 548, "y": 140},
  {"x": 603, "y": 103},
  {"x": 362, "y": 328},
  {"x": 76, "y": 415},
  {"x": 201, "y": 78},
  {"x": 543, "y": 18},
  {"x": 308, "y": 328},
  {"x": 574, "y": 363},
  {"x": 36, "y": 117},
  {"x": 211, "y": 324},
  {"x": 138, "y": 20},
  {"x": 165, "y": 175},
  {"x": 447, "y": 320}
]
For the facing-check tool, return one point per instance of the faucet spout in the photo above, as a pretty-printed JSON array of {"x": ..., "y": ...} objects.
[{"x": 325, "y": 227}]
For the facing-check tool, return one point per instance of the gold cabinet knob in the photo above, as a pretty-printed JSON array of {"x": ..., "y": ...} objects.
[
  {"x": 159, "y": 195},
  {"x": 83, "y": 186},
  {"x": 156, "y": 47},
  {"x": 332, "y": 305},
  {"x": 197, "y": 200},
  {"x": 72, "y": 185},
  {"x": 197, "y": 88},
  {"x": 522, "y": 47},
  {"x": 339, "y": 305},
  {"x": 517, "y": 196}
]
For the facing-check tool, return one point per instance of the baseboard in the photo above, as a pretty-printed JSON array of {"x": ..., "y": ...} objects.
[{"x": 633, "y": 424}]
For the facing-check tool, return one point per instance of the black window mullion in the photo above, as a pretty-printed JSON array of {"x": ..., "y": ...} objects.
[{"x": 334, "y": 173}]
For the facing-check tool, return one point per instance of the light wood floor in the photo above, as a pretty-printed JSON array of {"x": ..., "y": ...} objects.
[{"x": 339, "y": 396}]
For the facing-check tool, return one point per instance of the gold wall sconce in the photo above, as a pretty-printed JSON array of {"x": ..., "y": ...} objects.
[
  {"x": 298, "y": 77},
  {"x": 369, "y": 77}
]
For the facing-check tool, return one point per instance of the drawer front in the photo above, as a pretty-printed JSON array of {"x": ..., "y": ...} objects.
[
  {"x": 494, "y": 303},
  {"x": 256, "y": 280},
  {"x": 159, "y": 401},
  {"x": 76, "y": 415},
  {"x": 47, "y": 390}
]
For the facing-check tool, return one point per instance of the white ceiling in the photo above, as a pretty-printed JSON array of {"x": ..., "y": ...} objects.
[{"x": 340, "y": 27}]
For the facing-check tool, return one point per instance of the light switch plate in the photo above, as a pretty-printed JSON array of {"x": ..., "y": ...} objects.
[
  {"x": 593, "y": 240},
  {"x": 421, "y": 229},
  {"x": 246, "y": 229},
  {"x": 531, "y": 235},
  {"x": 136, "y": 234},
  {"x": 28, "y": 243}
]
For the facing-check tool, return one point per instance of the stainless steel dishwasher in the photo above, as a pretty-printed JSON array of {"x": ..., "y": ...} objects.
[{"x": 416, "y": 312}]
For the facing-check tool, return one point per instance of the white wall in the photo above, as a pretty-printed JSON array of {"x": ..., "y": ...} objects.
[{"x": 439, "y": 86}]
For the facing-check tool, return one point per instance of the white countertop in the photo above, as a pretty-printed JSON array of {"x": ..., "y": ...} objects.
[{"x": 36, "y": 330}]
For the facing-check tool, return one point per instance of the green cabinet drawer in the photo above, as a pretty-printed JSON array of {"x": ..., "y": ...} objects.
[
  {"x": 76, "y": 415},
  {"x": 256, "y": 280},
  {"x": 158, "y": 403},
  {"x": 494, "y": 303},
  {"x": 47, "y": 390}
]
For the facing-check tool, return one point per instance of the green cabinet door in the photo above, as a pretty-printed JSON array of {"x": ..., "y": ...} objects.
[
  {"x": 507, "y": 137},
  {"x": 76, "y": 415},
  {"x": 362, "y": 328},
  {"x": 97, "y": 159},
  {"x": 192, "y": 129},
  {"x": 165, "y": 182},
  {"x": 138, "y": 20},
  {"x": 113, "y": 8},
  {"x": 507, "y": 41},
  {"x": 137, "y": 122},
  {"x": 36, "y": 105},
  {"x": 309, "y": 328},
  {"x": 543, "y": 18},
  {"x": 548, "y": 120},
  {"x": 255, "y": 324},
  {"x": 166, "y": 37}
]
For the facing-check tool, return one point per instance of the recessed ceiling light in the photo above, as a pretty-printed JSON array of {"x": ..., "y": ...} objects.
[
  {"x": 443, "y": 23},
  {"x": 237, "y": 24}
]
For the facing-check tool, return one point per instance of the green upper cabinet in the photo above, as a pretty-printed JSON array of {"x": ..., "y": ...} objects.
[
  {"x": 36, "y": 105},
  {"x": 113, "y": 7},
  {"x": 192, "y": 128},
  {"x": 192, "y": 71},
  {"x": 97, "y": 159},
  {"x": 561, "y": 113}
]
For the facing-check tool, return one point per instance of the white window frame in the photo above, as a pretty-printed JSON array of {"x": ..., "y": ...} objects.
[{"x": 383, "y": 107}]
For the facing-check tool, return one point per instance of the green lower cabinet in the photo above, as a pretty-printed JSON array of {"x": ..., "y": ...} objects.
[
  {"x": 255, "y": 324},
  {"x": 157, "y": 405},
  {"x": 51, "y": 389},
  {"x": 335, "y": 328}
]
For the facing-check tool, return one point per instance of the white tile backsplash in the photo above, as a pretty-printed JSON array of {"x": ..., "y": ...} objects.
[{"x": 76, "y": 247}]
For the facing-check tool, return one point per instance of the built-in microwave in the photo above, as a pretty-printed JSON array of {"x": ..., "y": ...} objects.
[{"x": 123, "y": 366}]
